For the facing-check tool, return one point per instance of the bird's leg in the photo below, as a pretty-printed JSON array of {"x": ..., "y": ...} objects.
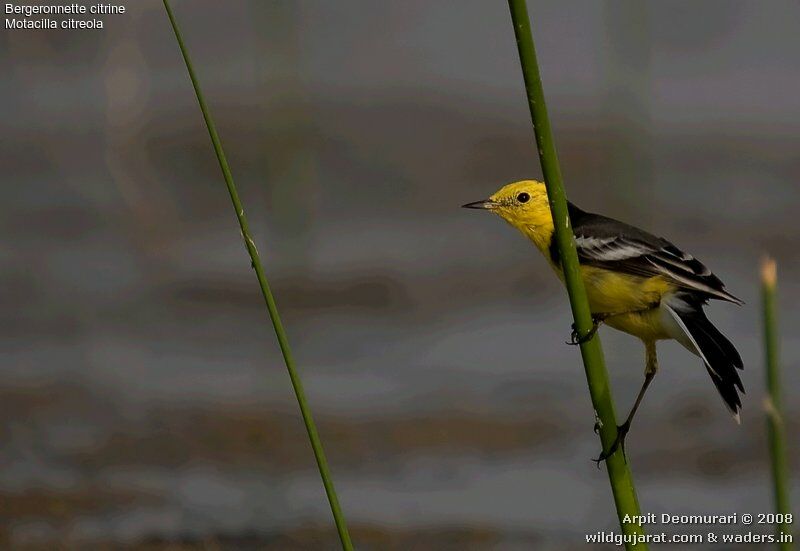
[{"x": 651, "y": 367}]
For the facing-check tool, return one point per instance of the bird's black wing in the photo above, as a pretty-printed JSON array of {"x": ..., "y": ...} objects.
[{"x": 616, "y": 246}]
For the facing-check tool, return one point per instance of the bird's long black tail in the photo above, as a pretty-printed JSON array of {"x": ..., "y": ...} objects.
[{"x": 719, "y": 355}]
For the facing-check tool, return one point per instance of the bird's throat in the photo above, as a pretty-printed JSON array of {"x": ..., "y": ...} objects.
[{"x": 541, "y": 236}]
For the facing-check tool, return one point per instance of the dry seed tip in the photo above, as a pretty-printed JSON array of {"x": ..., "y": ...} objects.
[{"x": 769, "y": 271}]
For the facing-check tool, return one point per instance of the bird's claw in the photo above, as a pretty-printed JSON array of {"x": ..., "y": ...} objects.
[
  {"x": 575, "y": 338},
  {"x": 619, "y": 443}
]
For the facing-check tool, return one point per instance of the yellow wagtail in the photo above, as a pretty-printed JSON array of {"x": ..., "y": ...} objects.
[{"x": 636, "y": 282}]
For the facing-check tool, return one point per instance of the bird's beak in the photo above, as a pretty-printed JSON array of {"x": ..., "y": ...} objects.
[{"x": 486, "y": 204}]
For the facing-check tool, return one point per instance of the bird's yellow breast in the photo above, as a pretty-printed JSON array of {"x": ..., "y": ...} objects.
[
  {"x": 619, "y": 292},
  {"x": 613, "y": 292},
  {"x": 609, "y": 292},
  {"x": 632, "y": 301}
]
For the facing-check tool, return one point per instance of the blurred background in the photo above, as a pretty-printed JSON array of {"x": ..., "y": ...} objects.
[{"x": 144, "y": 401}]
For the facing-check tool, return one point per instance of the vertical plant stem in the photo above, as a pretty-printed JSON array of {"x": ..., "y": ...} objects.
[
  {"x": 774, "y": 408},
  {"x": 283, "y": 342},
  {"x": 618, "y": 472}
]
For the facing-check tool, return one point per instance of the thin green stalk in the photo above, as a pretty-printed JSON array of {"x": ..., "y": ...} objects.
[
  {"x": 313, "y": 436},
  {"x": 775, "y": 427},
  {"x": 618, "y": 473}
]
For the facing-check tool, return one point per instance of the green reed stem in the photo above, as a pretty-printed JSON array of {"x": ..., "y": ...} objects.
[
  {"x": 618, "y": 472},
  {"x": 313, "y": 436},
  {"x": 774, "y": 408}
]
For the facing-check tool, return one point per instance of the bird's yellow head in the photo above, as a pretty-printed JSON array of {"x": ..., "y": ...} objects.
[{"x": 523, "y": 205}]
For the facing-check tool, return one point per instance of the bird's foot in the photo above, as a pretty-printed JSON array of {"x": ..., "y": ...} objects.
[
  {"x": 575, "y": 338},
  {"x": 619, "y": 443}
]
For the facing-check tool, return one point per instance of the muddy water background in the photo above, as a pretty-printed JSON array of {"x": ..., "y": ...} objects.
[{"x": 144, "y": 400}]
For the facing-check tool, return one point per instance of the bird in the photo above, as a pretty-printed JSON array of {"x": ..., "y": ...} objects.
[{"x": 636, "y": 283}]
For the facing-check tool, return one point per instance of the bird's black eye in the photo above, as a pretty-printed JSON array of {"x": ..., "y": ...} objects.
[{"x": 523, "y": 197}]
